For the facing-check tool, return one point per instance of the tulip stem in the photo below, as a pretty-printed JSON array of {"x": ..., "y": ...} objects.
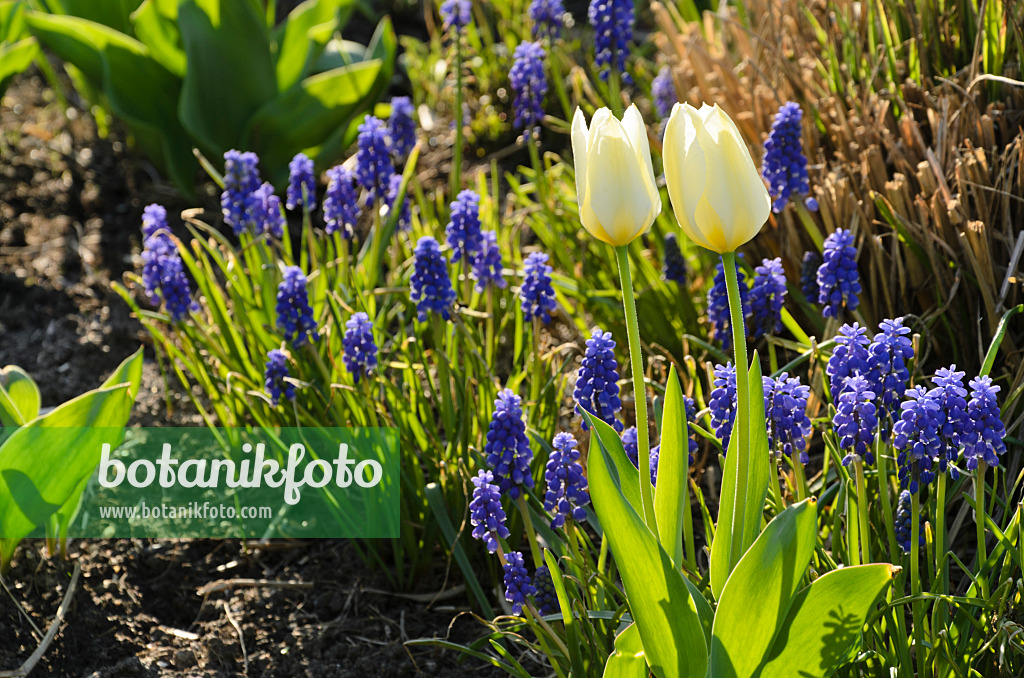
[
  {"x": 639, "y": 390},
  {"x": 739, "y": 343}
]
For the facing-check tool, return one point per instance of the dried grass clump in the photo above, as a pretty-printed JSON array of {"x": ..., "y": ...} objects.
[{"x": 926, "y": 172}]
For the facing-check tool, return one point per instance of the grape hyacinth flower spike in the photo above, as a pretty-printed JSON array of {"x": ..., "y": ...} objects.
[
  {"x": 916, "y": 435},
  {"x": 546, "y": 599},
  {"x": 266, "y": 215},
  {"x": 663, "y": 92},
  {"x": 903, "y": 518},
  {"x": 341, "y": 204},
  {"x": 838, "y": 279},
  {"x": 518, "y": 586},
  {"x": 809, "y": 276},
  {"x": 374, "y": 168},
  {"x": 360, "y": 351},
  {"x": 597, "y": 388},
  {"x": 566, "y": 494},
  {"x": 785, "y": 165},
  {"x": 785, "y": 406},
  {"x": 431, "y": 288},
  {"x": 855, "y": 420},
  {"x": 546, "y": 16},
  {"x": 401, "y": 127},
  {"x": 485, "y": 512},
  {"x": 956, "y": 424},
  {"x": 985, "y": 440},
  {"x": 613, "y": 30},
  {"x": 463, "y": 229},
  {"x": 537, "y": 294},
  {"x": 276, "y": 373},
  {"x": 722, "y": 403},
  {"x": 507, "y": 448},
  {"x": 674, "y": 268},
  {"x": 632, "y": 448},
  {"x": 154, "y": 220},
  {"x": 241, "y": 179},
  {"x": 163, "y": 272},
  {"x": 455, "y": 14},
  {"x": 529, "y": 81},
  {"x": 888, "y": 355},
  {"x": 487, "y": 265},
  {"x": 766, "y": 296},
  {"x": 294, "y": 314},
  {"x": 301, "y": 184},
  {"x": 849, "y": 357}
]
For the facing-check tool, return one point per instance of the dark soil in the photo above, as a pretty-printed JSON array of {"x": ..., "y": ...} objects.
[{"x": 70, "y": 213}]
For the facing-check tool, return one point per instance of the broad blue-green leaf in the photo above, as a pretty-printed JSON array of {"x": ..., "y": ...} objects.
[
  {"x": 19, "y": 396},
  {"x": 111, "y": 13},
  {"x": 627, "y": 660},
  {"x": 744, "y": 487},
  {"x": 625, "y": 472},
  {"x": 757, "y": 596},
  {"x": 823, "y": 627},
  {"x": 230, "y": 71},
  {"x": 659, "y": 599},
  {"x": 15, "y": 58},
  {"x": 302, "y": 36},
  {"x": 156, "y": 26},
  {"x": 673, "y": 470}
]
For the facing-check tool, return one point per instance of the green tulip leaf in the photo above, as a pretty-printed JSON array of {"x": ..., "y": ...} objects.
[
  {"x": 156, "y": 26},
  {"x": 744, "y": 487},
  {"x": 757, "y": 597},
  {"x": 673, "y": 470},
  {"x": 19, "y": 397},
  {"x": 300, "y": 39},
  {"x": 823, "y": 627},
  {"x": 659, "y": 599},
  {"x": 625, "y": 473},
  {"x": 627, "y": 660}
]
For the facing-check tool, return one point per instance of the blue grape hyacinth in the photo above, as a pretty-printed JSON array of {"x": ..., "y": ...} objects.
[
  {"x": 546, "y": 16},
  {"x": 916, "y": 435},
  {"x": 530, "y": 83},
  {"x": 518, "y": 586},
  {"x": 766, "y": 297},
  {"x": 597, "y": 388},
  {"x": 838, "y": 280},
  {"x": 294, "y": 314},
  {"x": 487, "y": 266},
  {"x": 275, "y": 376},
  {"x": 632, "y": 449},
  {"x": 164, "y": 277},
  {"x": 718, "y": 304},
  {"x": 463, "y": 229},
  {"x": 154, "y": 219},
  {"x": 985, "y": 441},
  {"x": 809, "y": 276},
  {"x": 566, "y": 494},
  {"x": 785, "y": 408},
  {"x": 341, "y": 203},
  {"x": 537, "y": 294},
  {"x": 904, "y": 514},
  {"x": 241, "y": 179},
  {"x": 613, "y": 30},
  {"x": 266, "y": 214},
  {"x": 360, "y": 351},
  {"x": 663, "y": 92},
  {"x": 888, "y": 355},
  {"x": 849, "y": 357},
  {"x": 401, "y": 127},
  {"x": 374, "y": 168},
  {"x": 545, "y": 598},
  {"x": 855, "y": 420},
  {"x": 301, "y": 184},
  {"x": 430, "y": 287},
  {"x": 485, "y": 512},
  {"x": 785, "y": 165},
  {"x": 722, "y": 403},
  {"x": 951, "y": 395},
  {"x": 507, "y": 448},
  {"x": 456, "y": 14},
  {"x": 674, "y": 267}
]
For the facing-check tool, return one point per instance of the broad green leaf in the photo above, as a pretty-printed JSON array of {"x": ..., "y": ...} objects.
[
  {"x": 627, "y": 660},
  {"x": 625, "y": 472},
  {"x": 12, "y": 22},
  {"x": 704, "y": 611},
  {"x": 111, "y": 13},
  {"x": 757, "y": 596},
  {"x": 673, "y": 470},
  {"x": 302, "y": 36},
  {"x": 16, "y": 58},
  {"x": 230, "y": 72},
  {"x": 659, "y": 599},
  {"x": 18, "y": 392},
  {"x": 824, "y": 623},
  {"x": 744, "y": 487},
  {"x": 156, "y": 26}
]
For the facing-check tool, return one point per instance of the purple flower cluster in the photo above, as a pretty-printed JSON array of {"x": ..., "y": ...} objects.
[
  {"x": 537, "y": 294},
  {"x": 487, "y": 265},
  {"x": 722, "y": 403},
  {"x": 718, "y": 304},
  {"x": 613, "y": 30},
  {"x": 485, "y": 511},
  {"x": 545, "y": 598},
  {"x": 463, "y": 230},
  {"x": 597, "y": 388},
  {"x": 904, "y": 514},
  {"x": 294, "y": 314},
  {"x": 663, "y": 92},
  {"x": 632, "y": 449},
  {"x": 275, "y": 375},
  {"x": 341, "y": 204},
  {"x": 456, "y": 14},
  {"x": 374, "y": 168},
  {"x": 431, "y": 288},
  {"x": 984, "y": 439},
  {"x": 546, "y": 16},
  {"x": 241, "y": 179},
  {"x": 888, "y": 355},
  {"x": 785, "y": 165},
  {"x": 809, "y": 275},
  {"x": 849, "y": 357},
  {"x": 528, "y": 79},
  {"x": 838, "y": 280},
  {"x": 301, "y": 184},
  {"x": 518, "y": 586},
  {"x": 785, "y": 409},
  {"x": 566, "y": 492},
  {"x": 507, "y": 448},
  {"x": 855, "y": 420},
  {"x": 265, "y": 212},
  {"x": 360, "y": 351},
  {"x": 163, "y": 272},
  {"x": 674, "y": 267},
  {"x": 401, "y": 127},
  {"x": 766, "y": 296}
]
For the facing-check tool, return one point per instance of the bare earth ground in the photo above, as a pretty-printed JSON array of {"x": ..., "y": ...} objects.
[{"x": 70, "y": 209}]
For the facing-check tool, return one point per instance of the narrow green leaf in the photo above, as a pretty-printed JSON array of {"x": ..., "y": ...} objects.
[
  {"x": 997, "y": 340},
  {"x": 659, "y": 600},
  {"x": 759, "y": 592},
  {"x": 743, "y": 489},
  {"x": 627, "y": 660},
  {"x": 673, "y": 470},
  {"x": 565, "y": 607}
]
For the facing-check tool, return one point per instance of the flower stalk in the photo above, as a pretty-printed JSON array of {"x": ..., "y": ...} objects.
[{"x": 739, "y": 343}]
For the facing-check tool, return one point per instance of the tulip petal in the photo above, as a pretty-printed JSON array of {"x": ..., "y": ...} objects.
[
  {"x": 579, "y": 154},
  {"x": 684, "y": 170},
  {"x": 633, "y": 123},
  {"x": 616, "y": 191}
]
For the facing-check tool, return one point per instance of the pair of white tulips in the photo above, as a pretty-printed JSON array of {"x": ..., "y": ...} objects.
[{"x": 717, "y": 194}]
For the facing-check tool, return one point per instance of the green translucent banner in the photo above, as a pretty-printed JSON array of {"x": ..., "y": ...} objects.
[{"x": 203, "y": 482}]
